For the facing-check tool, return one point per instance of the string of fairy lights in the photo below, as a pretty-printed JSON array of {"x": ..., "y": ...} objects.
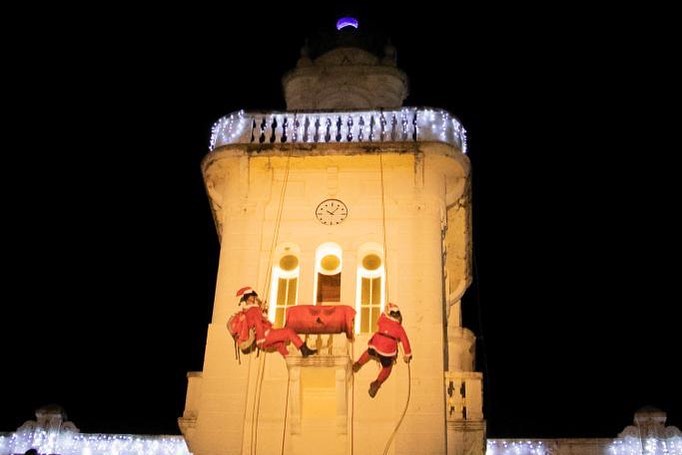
[
  {"x": 403, "y": 125},
  {"x": 515, "y": 447},
  {"x": 670, "y": 444},
  {"x": 667, "y": 445},
  {"x": 73, "y": 443}
]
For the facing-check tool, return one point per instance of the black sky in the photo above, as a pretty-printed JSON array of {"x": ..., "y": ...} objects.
[{"x": 110, "y": 253}]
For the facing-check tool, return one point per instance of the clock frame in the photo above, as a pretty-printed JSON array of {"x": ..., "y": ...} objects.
[{"x": 331, "y": 212}]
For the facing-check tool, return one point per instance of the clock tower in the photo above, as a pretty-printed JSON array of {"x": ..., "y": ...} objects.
[{"x": 350, "y": 199}]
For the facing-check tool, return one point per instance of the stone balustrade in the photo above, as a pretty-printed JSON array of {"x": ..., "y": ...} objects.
[{"x": 403, "y": 125}]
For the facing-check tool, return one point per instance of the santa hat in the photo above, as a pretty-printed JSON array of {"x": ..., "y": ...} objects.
[
  {"x": 392, "y": 308},
  {"x": 393, "y": 312},
  {"x": 245, "y": 292}
]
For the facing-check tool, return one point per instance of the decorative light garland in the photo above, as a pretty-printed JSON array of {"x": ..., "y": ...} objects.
[
  {"x": 669, "y": 444},
  {"x": 509, "y": 447},
  {"x": 405, "y": 125},
  {"x": 72, "y": 443}
]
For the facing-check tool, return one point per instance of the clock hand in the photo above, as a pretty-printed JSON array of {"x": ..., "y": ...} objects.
[{"x": 331, "y": 213}]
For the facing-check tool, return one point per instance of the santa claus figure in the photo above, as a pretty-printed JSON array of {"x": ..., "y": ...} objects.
[
  {"x": 267, "y": 337},
  {"x": 383, "y": 346}
]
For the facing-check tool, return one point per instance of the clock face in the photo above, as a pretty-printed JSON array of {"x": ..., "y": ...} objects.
[{"x": 331, "y": 212}]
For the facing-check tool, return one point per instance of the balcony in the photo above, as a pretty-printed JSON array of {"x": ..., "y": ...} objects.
[{"x": 404, "y": 125}]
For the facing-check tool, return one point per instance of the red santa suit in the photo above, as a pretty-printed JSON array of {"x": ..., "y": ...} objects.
[
  {"x": 268, "y": 338},
  {"x": 383, "y": 346},
  {"x": 385, "y": 340}
]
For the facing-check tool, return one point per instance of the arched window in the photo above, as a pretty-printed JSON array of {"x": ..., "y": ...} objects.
[
  {"x": 284, "y": 289},
  {"x": 328, "y": 265},
  {"x": 370, "y": 288}
]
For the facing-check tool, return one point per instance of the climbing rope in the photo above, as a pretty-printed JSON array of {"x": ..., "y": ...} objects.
[
  {"x": 407, "y": 403},
  {"x": 261, "y": 372},
  {"x": 256, "y": 404},
  {"x": 409, "y": 371},
  {"x": 286, "y": 412},
  {"x": 246, "y": 395},
  {"x": 278, "y": 218},
  {"x": 383, "y": 220},
  {"x": 352, "y": 401}
]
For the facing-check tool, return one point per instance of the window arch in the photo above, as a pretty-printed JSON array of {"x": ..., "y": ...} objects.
[
  {"x": 328, "y": 265},
  {"x": 371, "y": 287},
  {"x": 284, "y": 287}
]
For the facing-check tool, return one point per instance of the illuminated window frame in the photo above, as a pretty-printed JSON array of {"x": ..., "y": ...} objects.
[
  {"x": 327, "y": 249},
  {"x": 367, "y": 306},
  {"x": 284, "y": 287}
]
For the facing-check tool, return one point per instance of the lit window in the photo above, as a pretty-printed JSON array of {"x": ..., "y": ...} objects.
[
  {"x": 328, "y": 268},
  {"x": 370, "y": 293},
  {"x": 284, "y": 293}
]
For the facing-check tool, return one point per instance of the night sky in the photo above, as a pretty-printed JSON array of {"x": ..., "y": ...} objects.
[{"x": 110, "y": 253}]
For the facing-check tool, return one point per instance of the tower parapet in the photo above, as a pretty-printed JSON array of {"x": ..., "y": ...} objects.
[{"x": 409, "y": 124}]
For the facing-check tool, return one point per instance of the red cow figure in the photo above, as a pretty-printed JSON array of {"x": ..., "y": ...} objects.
[{"x": 317, "y": 319}]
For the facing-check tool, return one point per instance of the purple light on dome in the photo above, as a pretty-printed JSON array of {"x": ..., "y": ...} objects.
[{"x": 346, "y": 22}]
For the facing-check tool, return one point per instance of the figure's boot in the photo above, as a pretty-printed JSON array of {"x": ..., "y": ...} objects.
[
  {"x": 356, "y": 367},
  {"x": 306, "y": 351},
  {"x": 374, "y": 388}
]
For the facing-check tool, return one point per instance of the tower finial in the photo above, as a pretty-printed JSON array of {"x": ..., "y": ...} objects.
[{"x": 346, "y": 21}]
